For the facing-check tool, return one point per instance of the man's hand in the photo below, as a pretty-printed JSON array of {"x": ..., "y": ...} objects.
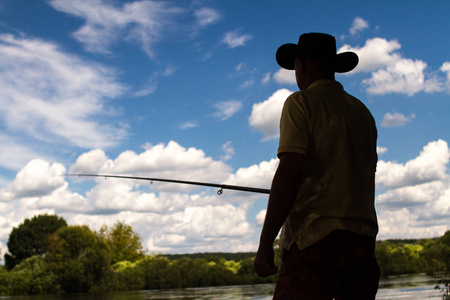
[{"x": 264, "y": 262}]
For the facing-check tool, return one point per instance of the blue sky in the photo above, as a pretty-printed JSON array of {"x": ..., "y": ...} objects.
[{"x": 191, "y": 90}]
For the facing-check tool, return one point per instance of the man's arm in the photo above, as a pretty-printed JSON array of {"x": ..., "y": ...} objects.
[{"x": 283, "y": 193}]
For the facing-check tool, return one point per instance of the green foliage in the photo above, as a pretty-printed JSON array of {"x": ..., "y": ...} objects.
[
  {"x": 31, "y": 238},
  {"x": 443, "y": 278},
  {"x": 4, "y": 281},
  {"x": 427, "y": 255},
  {"x": 81, "y": 260},
  {"x": 129, "y": 276},
  {"x": 32, "y": 277},
  {"x": 125, "y": 244}
]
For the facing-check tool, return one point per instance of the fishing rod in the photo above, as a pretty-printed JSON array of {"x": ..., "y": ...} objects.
[{"x": 220, "y": 186}]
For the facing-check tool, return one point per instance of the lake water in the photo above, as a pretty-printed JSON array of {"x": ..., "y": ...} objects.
[{"x": 400, "y": 287}]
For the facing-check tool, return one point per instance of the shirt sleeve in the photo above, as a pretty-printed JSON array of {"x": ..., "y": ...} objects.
[{"x": 294, "y": 133}]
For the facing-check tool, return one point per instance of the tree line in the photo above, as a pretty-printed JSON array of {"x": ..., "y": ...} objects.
[{"x": 47, "y": 256}]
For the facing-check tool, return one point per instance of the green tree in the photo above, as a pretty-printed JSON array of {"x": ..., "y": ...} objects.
[
  {"x": 125, "y": 244},
  {"x": 31, "y": 238},
  {"x": 160, "y": 273},
  {"x": 81, "y": 260}
]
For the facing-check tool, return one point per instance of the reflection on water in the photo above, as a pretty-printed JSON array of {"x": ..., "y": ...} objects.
[
  {"x": 399, "y": 287},
  {"x": 409, "y": 287},
  {"x": 261, "y": 291}
]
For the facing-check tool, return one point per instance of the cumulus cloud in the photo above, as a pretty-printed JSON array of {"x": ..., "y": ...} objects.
[
  {"x": 163, "y": 161},
  {"x": 51, "y": 95},
  {"x": 92, "y": 162},
  {"x": 396, "y": 119},
  {"x": 265, "y": 116},
  {"x": 226, "y": 109},
  {"x": 284, "y": 76},
  {"x": 376, "y": 53},
  {"x": 390, "y": 72},
  {"x": 417, "y": 202},
  {"x": 406, "y": 76},
  {"x": 235, "y": 39},
  {"x": 429, "y": 166},
  {"x": 260, "y": 217},
  {"x": 169, "y": 217},
  {"x": 404, "y": 223},
  {"x": 258, "y": 175},
  {"x": 37, "y": 178}
]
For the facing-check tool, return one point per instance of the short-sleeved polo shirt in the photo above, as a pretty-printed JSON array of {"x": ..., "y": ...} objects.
[{"x": 337, "y": 134}]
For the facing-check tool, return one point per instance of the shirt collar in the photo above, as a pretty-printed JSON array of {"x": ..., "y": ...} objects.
[{"x": 329, "y": 82}]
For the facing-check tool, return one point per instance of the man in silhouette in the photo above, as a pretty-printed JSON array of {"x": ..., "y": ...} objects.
[{"x": 323, "y": 191}]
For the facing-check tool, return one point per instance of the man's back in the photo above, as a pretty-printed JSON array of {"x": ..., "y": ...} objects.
[{"x": 337, "y": 134}]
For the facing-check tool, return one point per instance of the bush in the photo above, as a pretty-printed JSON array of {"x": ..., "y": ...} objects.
[
  {"x": 32, "y": 277},
  {"x": 129, "y": 276}
]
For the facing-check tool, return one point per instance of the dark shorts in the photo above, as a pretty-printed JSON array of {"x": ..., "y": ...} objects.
[{"x": 340, "y": 266}]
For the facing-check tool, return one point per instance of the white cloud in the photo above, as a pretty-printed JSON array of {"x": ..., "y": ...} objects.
[
  {"x": 51, "y": 95},
  {"x": 36, "y": 179},
  {"x": 226, "y": 109},
  {"x": 429, "y": 166},
  {"x": 188, "y": 125},
  {"x": 259, "y": 176},
  {"x": 403, "y": 223},
  {"x": 260, "y": 217},
  {"x": 235, "y": 39},
  {"x": 169, "y": 217},
  {"x": 284, "y": 76},
  {"x": 92, "y": 162},
  {"x": 173, "y": 219},
  {"x": 404, "y": 77},
  {"x": 140, "y": 21},
  {"x": 206, "y": 16},
  {"x": 265, "y": 116},
  {"x": 390, "y": 72},
  {"x": 247, "y": 84},
  {"x": 381, "y": 150},
  {"x": 446, "y": 69},
  {"x": 417, "y": 202},
  {"x": 228, "y": 151},
  {"x": 163, "y": 161},
  {"x": 358, "y": 25},
  {"x": 266, "y": 78},
  {"x": 376, "y": 53},
  {"x": 396, "y": 119}
]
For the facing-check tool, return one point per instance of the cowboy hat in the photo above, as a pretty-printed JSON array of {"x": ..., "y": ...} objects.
[{"x": 316, "y": 46}]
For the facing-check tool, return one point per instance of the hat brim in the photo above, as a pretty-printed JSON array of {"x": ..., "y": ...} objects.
[{"x": 286, "y": 54}]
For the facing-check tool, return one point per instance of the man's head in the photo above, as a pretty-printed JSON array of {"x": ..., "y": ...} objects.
[{"x": 315, "y": 52}]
